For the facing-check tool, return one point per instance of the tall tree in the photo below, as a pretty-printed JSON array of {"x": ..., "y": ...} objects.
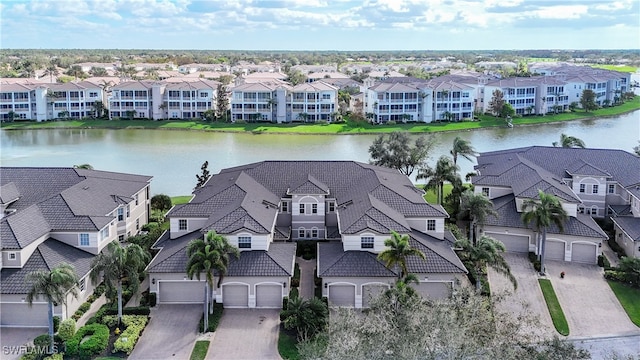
[
  {"x": 567, "y": 141},
  {"x": 397, "y": 251},
  {"x": 54, "y": 286},
  {"x": 543, "y": 212},
  {"x": 636, "y": 149},
  {"x": 445, "y": 171},
  {"x": 118, "y": 263},
  {"x": 308, "y": 317},
  {"x": 204, "y": 176},
  {"x": 463, "y": 148},
  {"x": 507, "y": 110},
  {"x": 208, "y": 255},
  {"x": 396, "y": 151},
  {"x": 51, "y": 71},
  {"x": 222, "y": 102},
  {"x": 479, "y": 208},
  {"x": 588, "y": 100},
  {"x": 75, "y": 71},
  {"x": 83, "y": 166},
  {"x": 497, "y": 102},
  {"x": 486, "y": 252},
  {"x": 98, "y": 71}
]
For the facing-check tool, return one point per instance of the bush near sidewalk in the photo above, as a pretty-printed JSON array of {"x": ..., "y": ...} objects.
[
  {"x": 555, "y": 310},
  {"x": 214, "y": 319}
]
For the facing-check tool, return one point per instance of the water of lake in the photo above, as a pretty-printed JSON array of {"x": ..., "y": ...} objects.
[{"x": 174, "y": 157}]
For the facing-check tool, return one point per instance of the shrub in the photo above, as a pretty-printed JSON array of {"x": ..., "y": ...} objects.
[
  {"x": 534, "y": 260},
  {"x": 152, "y": 299},
  {"x": 150, "y": 226},
  {"x": 603, "y": 262},
  {"x": 293, "y": 293},
  {"x": 285, "y": 301},
  {"x": 629, "y": 271},
  {"x": 214, "y": 319},
  {"x": 391, "y": 122},
  {"x": 161, "y": 202},
  {"x": 616, "y": 248},
  {"x": 91, "y": 298},
  {"x": 84, "y": 307},
  {"x": 99, "y": 290},
  {"x": 56, "y": 323},
  {"x": 127, "y": 340},
  {"x": 30, "y": 354},
  {"x": 95, "y": 344},
  {"x": 42, "y": 341},
  {"x": 67, "y": 329},
  {"x": 56, "y": 356}
]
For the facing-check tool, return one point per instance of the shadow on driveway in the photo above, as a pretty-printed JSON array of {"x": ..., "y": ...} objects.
[{"x": 170, "y": 334}]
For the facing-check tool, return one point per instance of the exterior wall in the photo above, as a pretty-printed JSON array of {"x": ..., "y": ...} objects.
[
  {"x": 73, "y": 239},
  {"x": 589, "y": 197},
  {"x": 353, "y": 242},
  {"x": 258, "y": 241},
  {"x": 193, "y": 224},
  {"x": 421, "y": 225},
  {"x": 307, "y": 221},
  {"x": 619, "y": 196},
  {"x": 494, "y": 191},
  {"x": 635, "y": 206},
  {"x": 357, "y": 282},
  {"x": 23, "y": 254},
  {"x": 631, "y": 248}
]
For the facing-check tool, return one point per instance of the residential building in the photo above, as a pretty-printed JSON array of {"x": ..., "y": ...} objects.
[
  {"x": 189, "y": 100},
  {"x": 265, "y": 208},
  {"x": 55, "y": 215},
  {"x": 590, "y": 183}
]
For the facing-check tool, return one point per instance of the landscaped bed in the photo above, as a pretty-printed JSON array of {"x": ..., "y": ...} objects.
[
  {"x": 629, "y": 298},
  {"x": 200, "y": 350},
  {"x": 555, "y": 310}
]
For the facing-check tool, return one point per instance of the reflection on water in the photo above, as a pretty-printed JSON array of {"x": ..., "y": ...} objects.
[{"x": 174, "y": 157}]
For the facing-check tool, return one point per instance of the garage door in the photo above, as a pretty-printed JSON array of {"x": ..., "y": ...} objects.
[
  {"x": 554, "y": 250},
  {"x": 342, "y": 295},
  {"x": 583, "y": 253},
  {"x": 269, "y": 296},
  {"x": 235, "y": 296},
  {"x": 23, "y": 315},
  {"x": 181, "y": 292},
  {"x": 433, "y": 290},
  {"x": 372, "y": 291},
  {"x": 513, "y": 243}
]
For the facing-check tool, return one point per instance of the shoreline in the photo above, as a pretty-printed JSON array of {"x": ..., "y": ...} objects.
[{"x": 267, "y": 132}]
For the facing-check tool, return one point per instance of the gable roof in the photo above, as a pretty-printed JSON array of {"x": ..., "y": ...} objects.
[{"x": 629, "y": 225}]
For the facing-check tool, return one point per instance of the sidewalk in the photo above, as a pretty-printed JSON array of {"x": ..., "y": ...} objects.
[
  {"x": 610, "y": 254},
  {"x": 95, "y": 306},
  {"x": 135, "y": 299},
  {"x": 307, "y": 286}
]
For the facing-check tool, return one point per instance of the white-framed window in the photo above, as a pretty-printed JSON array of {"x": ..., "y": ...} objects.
[
  {"x": 314, "y": 233},
  {"x": 84, "y": 239},
  {"x": 485, "y": 191},
  {"x": 120, "y": 238},
  {"x": 182, "y": 224},
  {"x": 12, "y": 256},
  {"x": 331, "y": 206},
  {"x": 594, "y": 210},
  {"x": 594, "y": 189},
  {"x": 301, "y": 232},
  {"x": 104, "y": 234},
  {"x": 120, "y": 214},
  {"x": 244, "y": 242},
  {"x": 611, "y": 189},
  {"x": 82, "y": 284},
  {"x": 366, "y": 242},
  {"x": 137, "y": 196},
  {"x": 314, "y": 208},
  {"x": 137, "y": 224},
  {"x": 284, "y": 206},
  {"x": 301, "y": 208},
  {"x": 580, "y": 209},
  {"x": 583, "y": 188},
  {"x": 128, "y": 210},
  {"x": 431, "y": 225}
]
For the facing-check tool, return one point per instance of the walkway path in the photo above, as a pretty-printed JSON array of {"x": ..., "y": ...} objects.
[
  {"x": 307, "y": 273},
  {"x": 95, "y": 306},
  {"x": 610, "y": 254},
  {"x": 135, "y": 299}
]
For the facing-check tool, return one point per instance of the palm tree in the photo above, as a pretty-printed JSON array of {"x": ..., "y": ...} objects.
[
  {"x": 51, "y": 71},
  {"x": 445, "y": 170},
  {"x": 53, "y": 286},
  {"x": 119, "y": 263},
  {"x": 544, "y": 212},
  {"x": 479, "y": 207},
  {"x": 398, "y": 249},
  {"x": 463, "y": 148},
  {"x": 83, "y": 166},
  {"x": 569, "y": 142},
  {"x": 208, "y": 255},
  {"x": 486, "y": 252},
  {"x": 12, "y": 115}
]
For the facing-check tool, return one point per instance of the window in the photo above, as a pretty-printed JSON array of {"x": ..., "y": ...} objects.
[
  {"x": 301, "y": 208},
  {"x": 137, "y": 199},
  {"x": 326, "y": 96},
  {"x": 314, "y": 233},
  {"x": 128, "y": 211},
  {"x": 431, "y": 225},
  {"x": 594, "y": 210},
  {"x": 331, "y": 207},
  {"x": 580, "y": 209},
  {"x": 120, "y": 238},
  {"x": 612, "y": 189},
  {"x": 120, "y": 214},
  {"x": 594, "y": 190},
  {"x": 137, "y": 224},
  {"x": 82, "y": 284},
  {"x": 182, "y": 224},
  {"x": 583, "y": 188},
  {"x": 104, "y": 234},
  {"x": 314, "y": 208},
  {"x": 366, "y": 242},
  {"x": 12, "y": 256},
  {"x": 84, "y": 239},
  {"x": 485, "y": 191},
  {"x": 284, "y": 206},
  {"x": 244, "y": 242},
  {"x": 301, "y": 232}
]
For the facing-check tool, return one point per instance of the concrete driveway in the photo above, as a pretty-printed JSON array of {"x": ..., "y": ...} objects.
[
  {"x": 246, "y": 334},
  {"x": 11, "y": 339},
  {"x": 170, "y": 334},
  {"x": 527, "y": 299},
  {"x": 589, "y": 304}
]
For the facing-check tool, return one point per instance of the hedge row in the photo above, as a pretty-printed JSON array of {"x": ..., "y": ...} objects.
[
  {"x": 94, "y": 345},
  {"x": 129, "y": 337}
]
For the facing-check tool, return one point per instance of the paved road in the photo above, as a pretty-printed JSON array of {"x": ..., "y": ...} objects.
[
  {"x": 246, "y": 334},
  {"x": 170, "y": 334},
  {"x": 605, "y": 347}
]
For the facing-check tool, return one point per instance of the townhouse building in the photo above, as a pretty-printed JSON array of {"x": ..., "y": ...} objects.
[{"x": 55, "y": 215}]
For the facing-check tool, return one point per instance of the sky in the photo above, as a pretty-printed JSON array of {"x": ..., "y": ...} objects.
[{"x": 320, "y": 24}]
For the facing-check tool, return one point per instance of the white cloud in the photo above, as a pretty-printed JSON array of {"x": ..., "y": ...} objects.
[{"x": 561, "y": 12}]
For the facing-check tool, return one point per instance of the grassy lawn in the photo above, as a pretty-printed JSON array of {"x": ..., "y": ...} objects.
[
  {"x": 287, "y": 346},
  {"x": 555, "y": 310},
  {"x": 200, "y": 350},
  {"x": 629, "y": 298},
  {"x": 177, "y": 200},
  {"x": 621, "y": 68},
  {"x": 349, "y": 127},
  {"x": 431, "y": 197}
]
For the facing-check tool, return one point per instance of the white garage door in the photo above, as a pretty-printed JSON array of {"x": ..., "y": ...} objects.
[
  {"x": 235, "y": 296},
  {"x": 342, "y": 295},
  {"x": 23, "y": 315},
  {"x": 554, "y": 250},
  {"x": 433, "y": 290},
  {"x": 269, "y": 296},
  {"x": 181, "y": 292},
  {"x": 584, "y": 253},
  {"x": 372, "y": 291},
  {"x": 513, "y": 243}
]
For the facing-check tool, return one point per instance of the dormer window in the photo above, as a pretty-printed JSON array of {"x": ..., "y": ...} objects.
[
  {"x": 12, "y": 256},
  {"x": 182, "y": 224},
  {"x": 331, "y": 206},
  {"x": 244, "y": 242},
  {"x": 301, "y": 208},
  {"x": 485, "y": 191},
  {"x": 284, "y": 207},
  {"x": 431, "y": 225},
  {"x": 366, "y": 242}
]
